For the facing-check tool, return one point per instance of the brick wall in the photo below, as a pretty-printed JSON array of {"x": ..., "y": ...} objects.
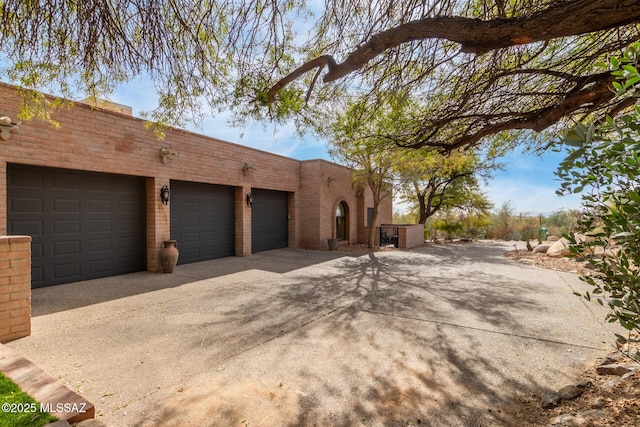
[
  {"x": 92, "y": 139},
  {"x": 15, "y": 287},
  {"x": 410, "y": 236}
]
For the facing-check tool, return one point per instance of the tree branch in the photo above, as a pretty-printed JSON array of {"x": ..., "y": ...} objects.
[
  {"x": 320, "y": 62},
  {"x": 477, "y": 36}
]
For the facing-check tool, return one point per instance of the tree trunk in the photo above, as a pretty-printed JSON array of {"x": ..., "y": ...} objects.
[
  {"x": 423, "y": 209},
  {"x": 372, "y": 227}
]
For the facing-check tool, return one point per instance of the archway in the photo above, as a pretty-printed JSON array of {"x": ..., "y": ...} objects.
[{"x": 341, "y": 221}]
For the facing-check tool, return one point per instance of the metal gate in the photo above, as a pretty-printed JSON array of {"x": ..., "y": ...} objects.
[{"x": 388, "y": 235}]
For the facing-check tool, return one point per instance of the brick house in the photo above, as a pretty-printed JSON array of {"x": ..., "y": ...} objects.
[{"x": 89, "y": 195}]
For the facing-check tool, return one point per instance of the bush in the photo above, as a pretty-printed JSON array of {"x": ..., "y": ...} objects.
[{"x": 603, "y": 163}]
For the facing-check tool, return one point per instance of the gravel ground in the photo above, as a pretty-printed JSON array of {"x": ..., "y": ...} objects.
[{"x": 620, "y": 402}]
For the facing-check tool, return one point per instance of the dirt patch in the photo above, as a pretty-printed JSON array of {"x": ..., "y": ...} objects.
[
  {"x": 612, "y": 402},
  {"x": 568, "y": 265}
]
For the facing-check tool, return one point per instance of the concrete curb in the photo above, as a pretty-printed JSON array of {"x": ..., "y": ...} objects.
[{"x": 63, "y": 403}]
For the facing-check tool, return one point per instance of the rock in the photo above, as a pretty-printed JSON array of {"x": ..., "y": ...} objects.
[
  {"x": 616, "y": 369},
  {"x": 570, "y": 392},
  {"x": 541, "y": 249},
  {"x": 553, "y": 239},
  {"x": 550, "y": 399},
  {"x": 611, "y": 358},
  {"x": 559, "y": 248},
  {"x": 584, "y": 384},
  {"x": 579, "y": 419},
  {"x": 526, "y": 261},
  {"x": 599, "y": 403},
  {"x": 564, "y": 420}
]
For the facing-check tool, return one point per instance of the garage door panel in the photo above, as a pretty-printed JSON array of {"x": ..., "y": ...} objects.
[
  {"x": 26, "y": 228},
  {"x": 269, "y": 220},
  {"x": 100, "y": 206},
  {"x": 100, "y": 245},
  {"x": 79, "y": 228},
  {"x": 66, "y": 206},
  {"x": 101, "y": 226},
  {"x": 66, "y": 182},
  {"x": 202, "y": 220},
  {"x": 66, "y": 248},
  {"x": 67, "y": 272},
  {"x": 65, "y": 226},
  {"x": 23, "y": 179},
  {"x": 37, "y": 274},
  {"x": 100, "y": 185},
  {"x": 100, "y": 266},
  {"x": 27, "y": 205}
]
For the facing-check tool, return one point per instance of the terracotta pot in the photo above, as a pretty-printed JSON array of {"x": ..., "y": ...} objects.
[
  {"x": 333, "y": 243},
  {"x": 169, "y": 255}
]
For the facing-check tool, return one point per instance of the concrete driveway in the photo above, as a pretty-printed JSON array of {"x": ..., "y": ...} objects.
[{"x": 444, "y": 335}]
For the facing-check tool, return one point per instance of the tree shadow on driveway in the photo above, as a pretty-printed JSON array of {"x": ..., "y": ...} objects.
[{"x": 383, "y": 339}]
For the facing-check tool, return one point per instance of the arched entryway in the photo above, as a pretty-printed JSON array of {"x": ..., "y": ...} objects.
[{"x": 341, "y": 221}]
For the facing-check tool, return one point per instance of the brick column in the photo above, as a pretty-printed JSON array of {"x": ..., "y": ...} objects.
[
  {"x": 243, "y": 222},
  {"x": 3, "y": 198},
  {"x": 157, "y": 222},
  {"x": 15, "y": 287}
]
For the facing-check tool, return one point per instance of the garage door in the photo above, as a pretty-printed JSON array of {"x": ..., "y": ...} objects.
[
  {"x": 269, "y": 220},
  {"x": 83, "y": 225},
  {"x": 202, "y": 220}
]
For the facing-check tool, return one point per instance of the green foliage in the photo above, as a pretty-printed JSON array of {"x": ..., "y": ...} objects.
[
  {"x": 562, "y": 221},
  {"x": 450, "y": 228},
  {"x": 430, "y": 181},
  {"x": 11, "y": 394},
  {"x": 603, "y": 164},
  {"x": 403, "y": 218}
]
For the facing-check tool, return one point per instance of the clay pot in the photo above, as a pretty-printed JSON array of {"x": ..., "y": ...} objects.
[
  {"x": 333, "y": 243},
  {"x": 169, "y": 255}
]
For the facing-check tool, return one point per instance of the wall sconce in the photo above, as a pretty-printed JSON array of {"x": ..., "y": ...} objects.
[
  {"x": 164, "y": 154},
  {"x": 247, "y": 168},
  {"x": 330, "y": 180},
  {"x": 164, "y": 194},
  {"x": 5, "y": 127},
  {"x": 250, "y": 200}
]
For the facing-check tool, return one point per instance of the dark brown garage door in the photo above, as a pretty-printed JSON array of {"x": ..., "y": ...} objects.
[
  {"x": 202, "y": 220},
  {"x": 269, "y": 220},
  {"x": 83, "y": 225}
]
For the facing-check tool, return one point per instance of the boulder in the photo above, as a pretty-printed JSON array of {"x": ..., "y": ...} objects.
[
  {"x": 570, "y": 392},
  {"x": 559, "y": 249},
  {"x": 541, "y": 249},
  {"x": 550, "y": 399}
]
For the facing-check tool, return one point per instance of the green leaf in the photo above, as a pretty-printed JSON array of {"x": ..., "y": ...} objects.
[{"x": 620, "y": 338}]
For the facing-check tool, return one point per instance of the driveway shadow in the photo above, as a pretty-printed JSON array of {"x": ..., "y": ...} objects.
[
  {"x": 385, "y": 339},
  {"x": 69, "y": 296}
]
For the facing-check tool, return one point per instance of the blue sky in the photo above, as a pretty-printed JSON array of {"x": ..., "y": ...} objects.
[{"x": 528, "y": 181}]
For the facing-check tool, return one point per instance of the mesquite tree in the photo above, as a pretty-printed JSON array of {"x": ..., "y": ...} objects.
[{"x": 479, "y": 67}]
